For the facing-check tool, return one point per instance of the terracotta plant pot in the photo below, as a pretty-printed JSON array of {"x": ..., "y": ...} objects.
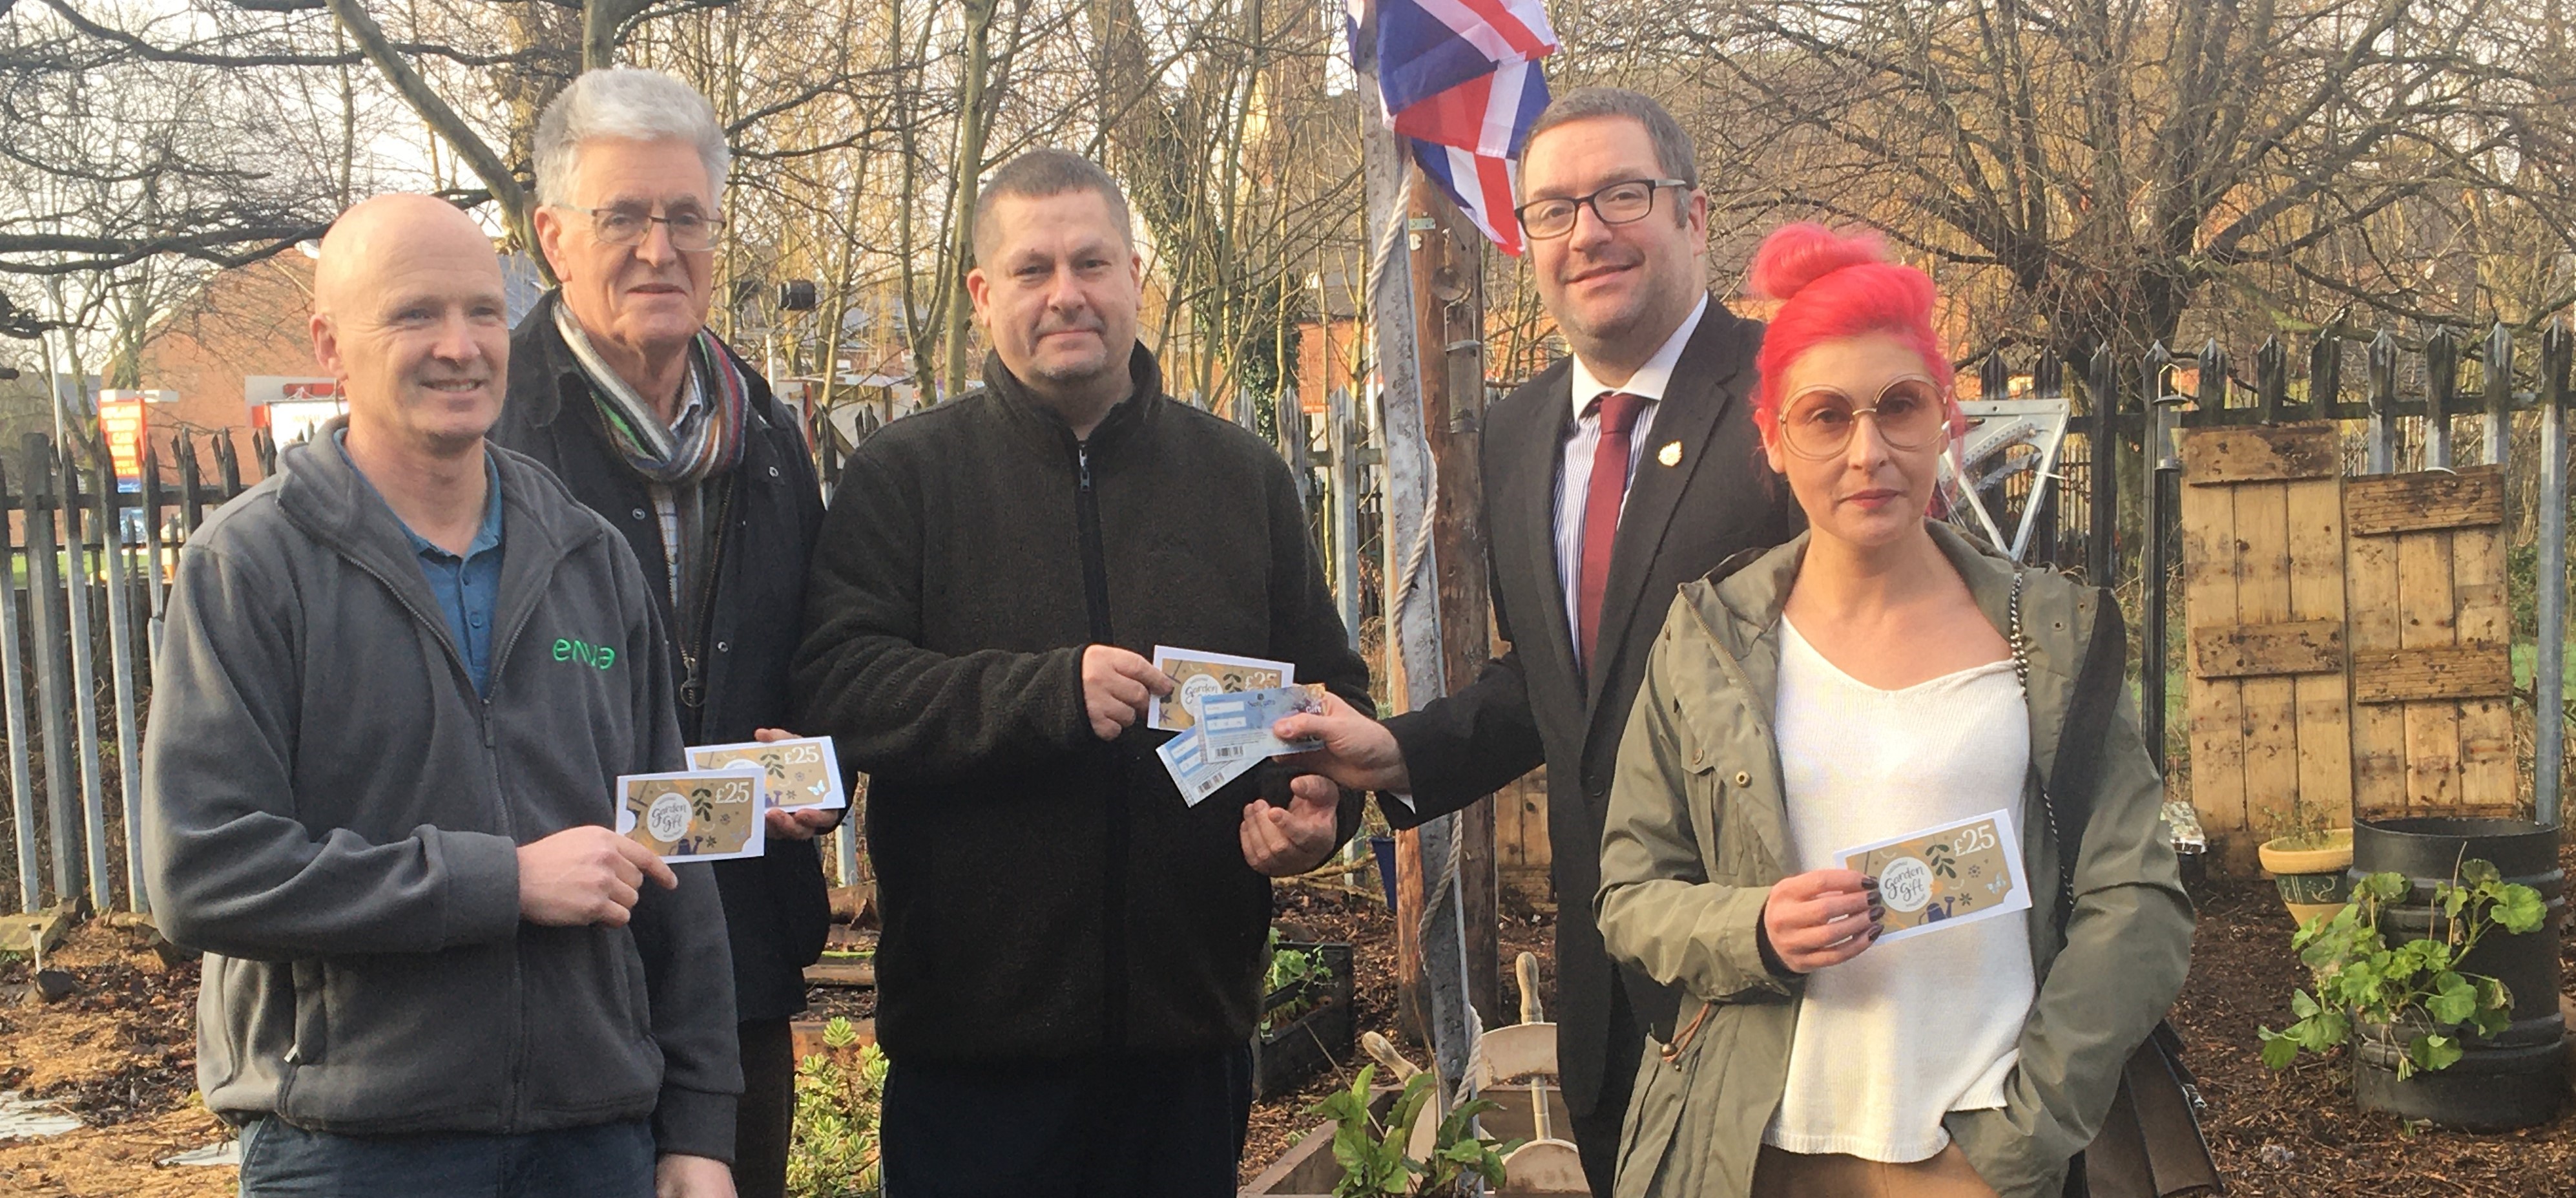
[{"x": 2311, "y": 877}]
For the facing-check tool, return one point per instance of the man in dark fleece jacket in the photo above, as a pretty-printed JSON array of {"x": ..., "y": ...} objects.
[
  {"x": 380, "y": 777},
  {"x": 1071, "y": 964}
]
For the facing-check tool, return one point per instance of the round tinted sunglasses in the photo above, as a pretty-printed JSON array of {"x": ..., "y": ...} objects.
[{"x": 1817, "y": 423}]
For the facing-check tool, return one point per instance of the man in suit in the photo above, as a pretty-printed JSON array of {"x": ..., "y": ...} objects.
[{"x": 1610, "y": 480}]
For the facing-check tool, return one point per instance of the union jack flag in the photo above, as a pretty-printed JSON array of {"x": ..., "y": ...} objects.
[{"x": 1460, "y": 82}]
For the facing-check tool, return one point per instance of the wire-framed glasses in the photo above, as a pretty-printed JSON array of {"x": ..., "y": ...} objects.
[
  {"x": 1817, "y": 423},
  {"x": 692, "y": 231}
]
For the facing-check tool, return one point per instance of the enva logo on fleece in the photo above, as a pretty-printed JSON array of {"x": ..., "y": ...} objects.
[{"x": 598, "y": 657}]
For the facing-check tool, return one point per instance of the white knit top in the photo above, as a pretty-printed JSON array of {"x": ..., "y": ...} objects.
[{"x": 1892, "y": 1039}]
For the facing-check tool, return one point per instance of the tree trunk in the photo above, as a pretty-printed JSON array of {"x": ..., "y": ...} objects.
[{"x": 970, "y": 167}]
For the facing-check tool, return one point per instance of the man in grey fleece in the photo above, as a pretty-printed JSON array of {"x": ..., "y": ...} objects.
[{"x": 398, "y": 681}]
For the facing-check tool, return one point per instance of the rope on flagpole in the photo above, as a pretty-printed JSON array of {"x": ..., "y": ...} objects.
[{"x": 1418, "y": 553}]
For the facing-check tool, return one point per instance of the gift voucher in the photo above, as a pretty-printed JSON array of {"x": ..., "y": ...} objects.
[
  {"x": 1957, "y": 873},
  {"x": 1196, "y": 675},
  {"x": 696, "y": 815},
  {"x": 803, "y": 772}
]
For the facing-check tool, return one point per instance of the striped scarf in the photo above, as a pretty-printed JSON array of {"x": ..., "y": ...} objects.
[{"x": 705, "y": 445}]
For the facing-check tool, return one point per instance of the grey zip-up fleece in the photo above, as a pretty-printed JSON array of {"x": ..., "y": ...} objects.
[{"x": 333, "y": 814}]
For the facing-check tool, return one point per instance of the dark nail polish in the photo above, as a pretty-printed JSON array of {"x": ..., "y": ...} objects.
[{"x": 1870, "y": 884}]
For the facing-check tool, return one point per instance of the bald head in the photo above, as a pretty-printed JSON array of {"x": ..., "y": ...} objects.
[
  {"x": 408, "y": 315},
  {"x": 388, "y": 233}
]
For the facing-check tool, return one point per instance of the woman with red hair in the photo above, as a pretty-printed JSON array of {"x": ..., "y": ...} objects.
[{"x": 1879, "y": 681}]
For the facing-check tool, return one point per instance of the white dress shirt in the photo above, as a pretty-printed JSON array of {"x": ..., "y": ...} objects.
[{"x": 1574, "y": 472}]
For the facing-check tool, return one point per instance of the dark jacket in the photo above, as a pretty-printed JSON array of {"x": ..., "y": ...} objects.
[
  {"x": 774, "y": 903},
  {"x": 1048, "y": 895},
  {"x": 334, "y": 815},
  {"x": 1531, "y": 705}
]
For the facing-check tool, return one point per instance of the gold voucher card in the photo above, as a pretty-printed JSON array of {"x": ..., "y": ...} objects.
[
  {"x": 1196, "y": 674},
  {"x": 803, "y": 772},
  {"x": 697, "y": 815},
  {"x": 1941, "y": 877}
]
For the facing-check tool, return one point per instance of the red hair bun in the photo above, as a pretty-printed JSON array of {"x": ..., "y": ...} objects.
[
  {"x": 1796, "y": 255},
  {"x": 1832, "y": 287}
]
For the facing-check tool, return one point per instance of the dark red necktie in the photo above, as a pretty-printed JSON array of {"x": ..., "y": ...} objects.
[{"x": 1601, "y": 510}]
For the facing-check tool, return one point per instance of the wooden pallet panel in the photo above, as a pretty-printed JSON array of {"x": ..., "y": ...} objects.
[
  {"x": 2270, "y": 702},
  {"x": 2433, "y": 674},
  {"x": 2288, "y": 647},
  {"x": 2378, "y": 730},
  {"x": 2214, "y": 707},
  {"x": 2427, "y": 619},
  {"x": 2489, "y": 773},
  {"x": 2314, "y": 510},
  {"x": 2260, "y": 453},
  {"x": 2397, "y": 503}
]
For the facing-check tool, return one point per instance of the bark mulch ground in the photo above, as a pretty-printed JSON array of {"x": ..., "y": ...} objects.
[
  {"x": 1310, "y": 913},
  {"x": 121, "y": 1054},
  {"x": 2297, "y": 1133}
]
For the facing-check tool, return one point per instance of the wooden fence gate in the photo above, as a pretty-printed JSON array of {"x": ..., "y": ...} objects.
[{"x": 2349, "y": 645}]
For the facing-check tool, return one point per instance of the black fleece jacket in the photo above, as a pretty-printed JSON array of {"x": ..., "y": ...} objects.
[{"x": 1047, "y": 895}]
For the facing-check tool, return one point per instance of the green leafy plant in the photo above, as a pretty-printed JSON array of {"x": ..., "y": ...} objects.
[
  {"x": 1294, "y": 969},
  {"x": 2416, "y": 987},
  {"x": 833, "y": 1150},
  {"x": 1373, "y": 1156}
]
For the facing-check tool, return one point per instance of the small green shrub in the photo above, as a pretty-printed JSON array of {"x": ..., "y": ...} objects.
[
  {"x": 2415, "y": 986},
  {"x": 833, "y": 1153}
]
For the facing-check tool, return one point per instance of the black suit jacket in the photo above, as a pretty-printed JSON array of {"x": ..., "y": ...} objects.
[{"x": 1533, "y": 704}]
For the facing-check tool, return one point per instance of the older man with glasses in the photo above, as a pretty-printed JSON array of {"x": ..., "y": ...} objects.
[
  {"x": 1610, "y": 479},
  {"x": 619, "y": 387}
]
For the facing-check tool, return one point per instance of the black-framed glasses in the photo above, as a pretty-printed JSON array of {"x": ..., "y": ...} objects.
[
  {"x": 1817, "y": 423},
  {"x": 1621, "y": 202},
  {"x": 691, "y": 231}
]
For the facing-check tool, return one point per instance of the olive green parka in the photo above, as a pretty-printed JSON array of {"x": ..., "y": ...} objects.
[{"x": 1697, "y": 834}]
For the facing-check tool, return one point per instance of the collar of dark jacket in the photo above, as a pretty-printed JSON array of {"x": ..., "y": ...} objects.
[
  {"x": 543, "y": 371},
  {"x": 327, "y": 497},
  {"x": 1126, "y": 420}
]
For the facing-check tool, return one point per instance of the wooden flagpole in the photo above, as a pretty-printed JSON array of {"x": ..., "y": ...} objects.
[{"x": 1426, "y": 300}]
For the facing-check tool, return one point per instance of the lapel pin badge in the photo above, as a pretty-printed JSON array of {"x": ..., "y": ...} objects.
[{"x": 1670, "y": 454}]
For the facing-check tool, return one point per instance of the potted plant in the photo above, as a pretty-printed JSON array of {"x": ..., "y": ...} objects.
[
  {"x": 2416, "y": 1006},
  {"x": 2308, "y": 863},
  {"x": 1306, "y": 1015}
]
